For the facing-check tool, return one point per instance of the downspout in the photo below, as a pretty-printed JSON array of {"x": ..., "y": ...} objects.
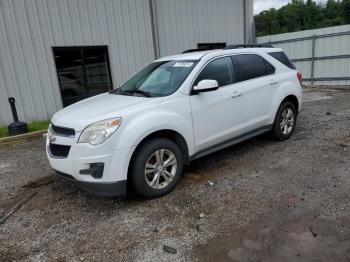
[
  {"x": 245, "y": 21},
  {"x": 154, "y": 28}
]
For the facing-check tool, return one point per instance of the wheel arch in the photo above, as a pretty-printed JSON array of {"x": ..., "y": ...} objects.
[
  {"x": 294, "y": 100},
  {"x": 170, "y": 134}
]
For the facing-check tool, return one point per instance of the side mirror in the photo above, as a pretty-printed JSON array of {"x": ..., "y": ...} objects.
[{"x": 206, "y": 85}]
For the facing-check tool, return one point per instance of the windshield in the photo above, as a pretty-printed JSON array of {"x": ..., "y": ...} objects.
[{"x": 158, "y": 78}]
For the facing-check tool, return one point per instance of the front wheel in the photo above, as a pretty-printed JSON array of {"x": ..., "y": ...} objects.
[
  {"x": 285, "y": 121},
  {"x": 157, "y": 167}
]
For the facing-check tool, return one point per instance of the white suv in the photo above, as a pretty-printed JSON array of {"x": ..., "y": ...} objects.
[{"x": 174, "y": 110}]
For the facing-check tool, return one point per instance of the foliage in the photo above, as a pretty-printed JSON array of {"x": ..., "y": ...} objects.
[
  {"x": 3, "y": 131},
  {"x": 302, "y": 15},
  {"x": 32, "y": 127},
  {"x": 38, "y": 125}
]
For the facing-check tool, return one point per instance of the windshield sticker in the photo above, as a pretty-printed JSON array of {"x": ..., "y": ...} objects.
[{"x": 183, "y": 64}]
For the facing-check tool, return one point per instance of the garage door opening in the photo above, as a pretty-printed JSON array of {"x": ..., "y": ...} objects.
[{"x": 82, "y": 72}]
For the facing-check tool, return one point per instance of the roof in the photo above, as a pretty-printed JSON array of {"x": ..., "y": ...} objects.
[
  {"x": 200, "y": 54},
  {"x": 187, "y": 56}
]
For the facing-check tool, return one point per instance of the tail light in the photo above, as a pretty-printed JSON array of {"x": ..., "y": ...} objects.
[{"x": 300, "y": 77}]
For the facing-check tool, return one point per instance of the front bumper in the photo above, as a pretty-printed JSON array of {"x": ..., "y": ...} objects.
[
  {"x": 101, "y": 170},
  {"x": 116, "y": 189}
]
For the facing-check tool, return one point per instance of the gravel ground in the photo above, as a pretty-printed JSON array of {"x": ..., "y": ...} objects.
[{"x": 271, "y": 201}]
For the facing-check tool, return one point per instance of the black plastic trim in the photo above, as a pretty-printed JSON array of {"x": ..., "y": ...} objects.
[
  {"x": 95, "y": 170},
  {"x": 248, "y": 46},
  {"x": 231, "y": 142},
  {"x": 64, "y": 131},
  {"x": 61, "y": 151},
  {"x": 116, "y": 189}
]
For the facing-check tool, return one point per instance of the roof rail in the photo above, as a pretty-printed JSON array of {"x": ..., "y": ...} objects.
[
  {"x": 247, "y": 46},
  {"x": 229, "y": 47},
  {"x": 196, "y": 50}
]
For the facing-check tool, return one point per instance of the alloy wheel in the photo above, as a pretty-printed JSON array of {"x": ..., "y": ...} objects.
[
  {"x": 287, "y": 121},
  {"x": 160, "y": 168}
]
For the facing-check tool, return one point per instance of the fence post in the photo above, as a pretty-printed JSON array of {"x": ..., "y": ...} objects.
[
  {"x": 253, "y": 33},
  {"x": 313, "y": 59}
]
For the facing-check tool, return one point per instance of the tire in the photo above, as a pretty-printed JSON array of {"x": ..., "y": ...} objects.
[
  {"x": 285, "y": 121},
  {"x": 159, "y": 177}
]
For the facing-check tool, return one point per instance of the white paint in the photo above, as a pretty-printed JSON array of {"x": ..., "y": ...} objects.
[{"x": 204, "y": 120}]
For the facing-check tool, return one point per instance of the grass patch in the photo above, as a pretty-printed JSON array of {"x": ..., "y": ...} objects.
[
  {"x": 32, "y": 127},
  {"x": 3, "y": 131},
  {"x": 38, "y": 125}
]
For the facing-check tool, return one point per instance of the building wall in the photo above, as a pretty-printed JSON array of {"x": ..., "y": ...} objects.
[
  {"x": 182, "y": 23},
  {"x": 333, "y": 45},
  {"x": 30, "y": 28}
]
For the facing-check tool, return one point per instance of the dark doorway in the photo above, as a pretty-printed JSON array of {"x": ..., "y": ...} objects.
[
  {"x": 82, "y": 72},
  {"x": 211, "y": 46}
]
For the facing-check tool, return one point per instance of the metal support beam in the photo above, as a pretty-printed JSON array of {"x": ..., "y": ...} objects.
[
  {"x": 321, "y": 79},
  {"x": 253, "y": 33},
  {"x": 245, "y": 20},
  {"x": 313, "y": 59},
  {"x": 154, "y": 28},
  {"x": 308, "y": 38},
  {"x": 317, "y": 58}
]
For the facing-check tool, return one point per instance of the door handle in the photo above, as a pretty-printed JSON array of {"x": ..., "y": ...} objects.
[{"x": 236, "y": 93}]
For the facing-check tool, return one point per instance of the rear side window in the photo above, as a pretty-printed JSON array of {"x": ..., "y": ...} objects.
[
  {"x": 283, "y": 58},
  {"x": 220, "y": 69},
  {"x": 252, "y": 66}
]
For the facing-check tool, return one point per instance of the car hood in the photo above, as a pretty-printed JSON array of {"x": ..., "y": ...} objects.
[{"x": 97, "y": 108}]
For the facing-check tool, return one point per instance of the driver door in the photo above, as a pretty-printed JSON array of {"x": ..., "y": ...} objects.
[{"x": 218, "y": 116}]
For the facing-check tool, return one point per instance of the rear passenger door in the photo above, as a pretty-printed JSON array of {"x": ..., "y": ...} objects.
[{"x": 259, "y": 85}]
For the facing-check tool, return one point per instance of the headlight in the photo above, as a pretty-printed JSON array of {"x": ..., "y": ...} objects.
[{"x": 99, "y": 132}]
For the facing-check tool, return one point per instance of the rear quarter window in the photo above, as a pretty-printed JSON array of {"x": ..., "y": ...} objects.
[{"x": 283, "y": 58}]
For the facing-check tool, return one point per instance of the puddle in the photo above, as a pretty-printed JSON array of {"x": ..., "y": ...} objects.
[
  {"x": 40, "y": 182},
  {"x": 294, "y": 233},
  {"x": 344, "y": 142},
  {"x": 197, "y": 177},
  {"x": 294, "y": 246}
]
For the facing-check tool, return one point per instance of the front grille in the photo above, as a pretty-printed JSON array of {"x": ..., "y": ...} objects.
[
  {"x": 63, "y": 131},
  {"x": 59, "y": 150}
]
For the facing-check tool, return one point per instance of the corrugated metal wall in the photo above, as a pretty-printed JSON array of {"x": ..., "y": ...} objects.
[
  {"x": 182, "y": 23},
  {"x": 30, "y": 28},
  {"x": 325, "y": 46}
]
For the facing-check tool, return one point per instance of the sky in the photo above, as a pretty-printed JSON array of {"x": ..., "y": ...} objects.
[{"x": 261, "y": 5}]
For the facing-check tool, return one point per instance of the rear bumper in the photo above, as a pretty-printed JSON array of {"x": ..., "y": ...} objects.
[{"x": 115, "y": 189}]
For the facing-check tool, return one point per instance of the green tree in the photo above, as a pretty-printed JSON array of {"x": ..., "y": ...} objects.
[
  {"x": 302, "y": 15},
  {"x": 346, "y": 11}
]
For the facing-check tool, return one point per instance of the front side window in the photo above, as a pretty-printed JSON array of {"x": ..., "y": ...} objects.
[
  {"x": 252, "y": 66},
  {"x": 220, "y": 69},
  {"x": 158, "y": 78}
]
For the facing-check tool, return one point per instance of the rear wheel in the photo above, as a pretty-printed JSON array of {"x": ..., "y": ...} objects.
[
  {"x": 285, "y": 121},
  {"x": 157, "y": 167}
]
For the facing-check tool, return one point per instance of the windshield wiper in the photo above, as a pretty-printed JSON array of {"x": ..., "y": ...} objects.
[
  {"x": 133, "y": 91},
  {"x": 115, "y": 91},
  {"x": 144, "y": 93}
]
